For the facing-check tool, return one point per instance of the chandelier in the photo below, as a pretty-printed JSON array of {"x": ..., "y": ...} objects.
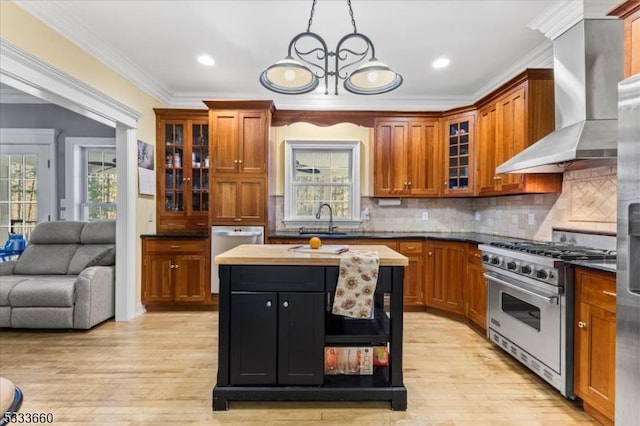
[{"x": 309, "y": 61}]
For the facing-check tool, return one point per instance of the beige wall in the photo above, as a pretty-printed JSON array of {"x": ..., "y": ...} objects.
[
  {"x": 305, "y": 131},
  {"x": 31, "y": 35}
]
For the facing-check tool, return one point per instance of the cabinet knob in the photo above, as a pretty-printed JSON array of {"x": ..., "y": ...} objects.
[
  {"x": 239, "y": 161},
  {"x": 285, "y": 304},
  {"x": 235, "y": 161},
  {"x": 445, "y": 183},
  {"x": 409, "y": 183},
  {"x": 430, "y": 253},
  {"x": 582, "y": 324},
  {"x": 268, "y": 303},
  {"x": 237, "y": 219}
]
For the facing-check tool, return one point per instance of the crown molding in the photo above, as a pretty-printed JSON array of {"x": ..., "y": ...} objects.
[
  {"x": 54, "y": 16},
  {"x": 540, "y": 56},
  {"x": 557, "y": 19},
  {"x": 25, "y": 72}
]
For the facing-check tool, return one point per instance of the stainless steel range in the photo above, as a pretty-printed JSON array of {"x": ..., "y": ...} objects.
[{"x": 530, "y": 302}]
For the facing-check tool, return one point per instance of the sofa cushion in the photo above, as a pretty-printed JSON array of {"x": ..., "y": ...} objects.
[
  {"x": 45, "y": 259},
  {"x": 91, "y": 255},
  {"x": 7, "y": 283},
  {"x": 56, "y": 291},
  {"x": 99, "y": 232},
  {"x": 42, "y": 317},
  {"x": 5, "y": 316},
  {"x": 59, "y": 232}
]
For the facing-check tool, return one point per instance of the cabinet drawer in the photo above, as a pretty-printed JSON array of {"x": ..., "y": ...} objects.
[
  {"x": 596, "y": 288},
  {"x": 277, "y": 278},
  {"x": 411, "y": 247},
  {"x": 175, "y": 246}
]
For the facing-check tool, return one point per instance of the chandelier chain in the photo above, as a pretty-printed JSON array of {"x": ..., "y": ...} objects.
[
  {"x": 353, "y": 20},
  {"x": 313, "y": 9}
]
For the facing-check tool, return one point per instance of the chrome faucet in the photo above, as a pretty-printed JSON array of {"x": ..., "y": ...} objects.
[{"x": 330, "y": 215}]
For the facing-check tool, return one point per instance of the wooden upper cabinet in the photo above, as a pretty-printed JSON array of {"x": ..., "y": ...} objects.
[
  {"x": 240, "y": 141},
  {"x": 510, "y": 119},
  {"x": 487, "y": 119},
  {"x": 406, "y": 158},
  {"x": 240, "y": 144},
  {"x": 183, "y": 176},
  {"x": 630, "y": 11},
  {"x": 459, "y": 154}
]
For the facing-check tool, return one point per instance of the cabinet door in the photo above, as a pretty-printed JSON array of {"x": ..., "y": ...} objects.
[
  {"x": 511, "y": 135},
  {"x": 156, "y": 282},
  {"x": 253, "y": 338},
  {"x": 238, "y": 200},
  {"x": 189, "y": 274},
  {"x": 423, "y": 157},
  {"x": 595, "y": 336},
  {"x": 475, "y": 295},
  {"x": 171, "y": 177},
  {"x": 459, "y": 171},
  {"x": 390, "y": 171},
  {"x": 224, "y": 138},
  {"x": 252, "y": 142},
  {"x": 486, "y": 149},
  {"x": 301, "y": 338},
  {"x": 445, "y": 277},
  {"x": 413, "y": 286}
]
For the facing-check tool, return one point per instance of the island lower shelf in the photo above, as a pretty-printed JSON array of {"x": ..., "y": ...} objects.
[{"x": 275, "y": 323}]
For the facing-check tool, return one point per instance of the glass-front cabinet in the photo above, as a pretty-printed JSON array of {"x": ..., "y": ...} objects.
[
  {"x": 459, "y": 162},
  {"x": 183, "y": 176}
]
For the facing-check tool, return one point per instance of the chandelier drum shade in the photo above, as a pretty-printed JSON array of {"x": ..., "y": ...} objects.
[{"x": 309, "y": 61}]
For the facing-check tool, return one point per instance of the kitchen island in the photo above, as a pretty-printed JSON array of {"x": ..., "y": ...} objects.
[{"x": 275, "y": 323}]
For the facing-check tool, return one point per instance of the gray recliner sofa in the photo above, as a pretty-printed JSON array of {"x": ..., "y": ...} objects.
[{"x": 65, "y": 278}]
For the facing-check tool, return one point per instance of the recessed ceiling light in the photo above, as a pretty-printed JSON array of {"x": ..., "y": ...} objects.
[
  {"x": 440, "y": 63},
  {"x": 206, "y": 60}
]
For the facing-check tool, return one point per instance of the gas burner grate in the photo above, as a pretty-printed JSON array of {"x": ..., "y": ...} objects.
[{"x": 560, "y": 251}]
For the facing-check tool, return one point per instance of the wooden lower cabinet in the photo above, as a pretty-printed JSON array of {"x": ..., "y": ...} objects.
[
  {"x": 595, "y": 342},
  {"x": 175, "y": 271},
  {"x": 414, "y": 273},
  {"x": 475, "y": 289},
  {"x": 446, "y": 275}
]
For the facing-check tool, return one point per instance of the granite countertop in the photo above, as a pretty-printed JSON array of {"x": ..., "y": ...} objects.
[
  {"x": 471, "y": 237},
  {"x": 602, "y": 265},
  {"x": 280, "y": 254}
]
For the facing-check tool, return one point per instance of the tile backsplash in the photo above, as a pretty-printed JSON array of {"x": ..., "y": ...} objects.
[{"x": 587, "y": 202}]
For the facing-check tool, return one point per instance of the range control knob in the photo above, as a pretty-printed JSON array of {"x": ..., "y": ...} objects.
[
  {"x": 496, "y": 261},
  {"x": 512, "y": 265},
  {"x": 526, "y": 269},
  {"x": 543, "y": 274},
  {"x": 485, "y": 258}
]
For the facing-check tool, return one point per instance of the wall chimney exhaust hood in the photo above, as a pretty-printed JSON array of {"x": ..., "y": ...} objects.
[{"x": 588, "y": 64}]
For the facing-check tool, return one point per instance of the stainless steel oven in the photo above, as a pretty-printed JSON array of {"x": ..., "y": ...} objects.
[
  {"x": 530, "y": 303},
  {"x": 530, "y": 324}
]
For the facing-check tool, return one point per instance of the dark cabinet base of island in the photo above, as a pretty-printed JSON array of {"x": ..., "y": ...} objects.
[{"x": 275, "y": 323}]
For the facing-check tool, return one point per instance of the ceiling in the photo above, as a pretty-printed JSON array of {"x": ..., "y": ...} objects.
[{"x": 155, "y": 45}]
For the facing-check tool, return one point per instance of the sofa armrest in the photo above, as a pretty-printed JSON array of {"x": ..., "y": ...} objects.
[
  {"x": 6, "y": 268},
  {"x": 95, "y": 296}
]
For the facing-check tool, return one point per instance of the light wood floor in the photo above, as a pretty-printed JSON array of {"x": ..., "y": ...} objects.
[{"x": 161, "y": 368}]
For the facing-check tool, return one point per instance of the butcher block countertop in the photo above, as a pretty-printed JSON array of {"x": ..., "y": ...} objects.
[{"x": 280, "y": 254}]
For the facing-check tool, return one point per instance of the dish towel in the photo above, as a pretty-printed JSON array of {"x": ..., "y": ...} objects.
[{"x": 356, "y": 284}]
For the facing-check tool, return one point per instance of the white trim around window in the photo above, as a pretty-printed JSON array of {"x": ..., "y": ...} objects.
[{"x": 290, "y": 220}]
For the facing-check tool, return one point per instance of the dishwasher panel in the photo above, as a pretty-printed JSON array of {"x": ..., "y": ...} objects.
[{"x": 224, "y": 238}]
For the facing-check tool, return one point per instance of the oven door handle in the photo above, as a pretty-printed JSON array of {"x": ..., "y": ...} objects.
[{"x": 552, "y": 300}]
